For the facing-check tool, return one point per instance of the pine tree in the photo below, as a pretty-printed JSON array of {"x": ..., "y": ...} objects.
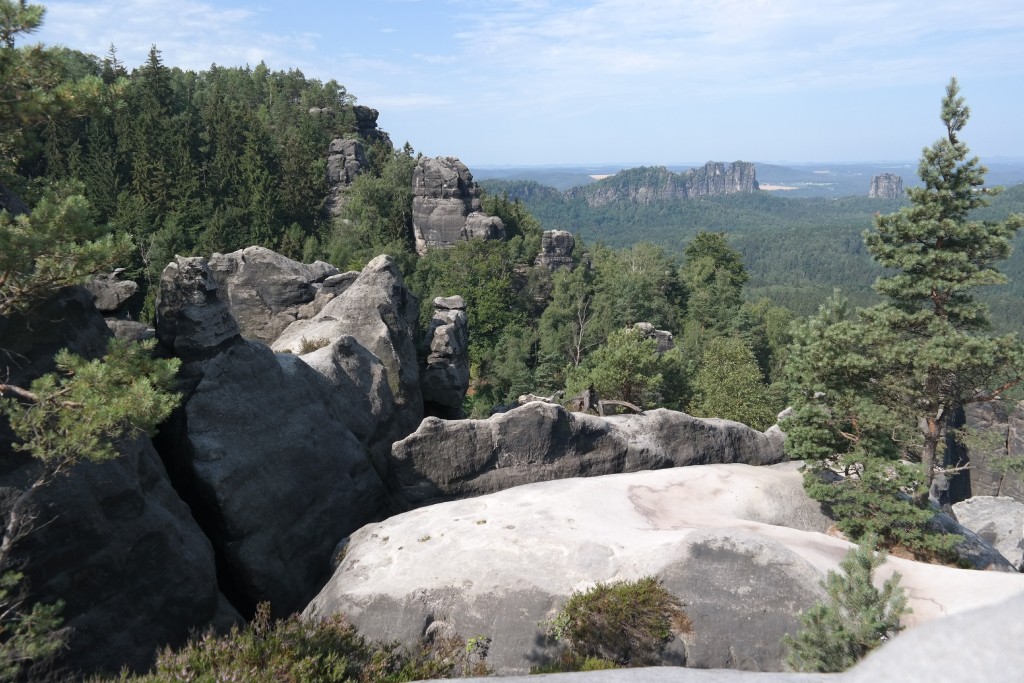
[
  {"x": 855, "y": 619},
  {"x": 875, "y": 387},
  {"x": 729, "y": 385},
  {"x": 80, "y": 411},
  {"x": 937, "y": 352}
]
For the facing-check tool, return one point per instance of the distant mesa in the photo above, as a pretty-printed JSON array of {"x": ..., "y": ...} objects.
[
  {"x": 886, "y": 186},
  {"x": 446, "y": 206},
  {"x": 646, "y": 184}
]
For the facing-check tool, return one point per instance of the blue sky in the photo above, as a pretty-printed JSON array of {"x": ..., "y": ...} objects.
[{"x": 523, "y": 82}]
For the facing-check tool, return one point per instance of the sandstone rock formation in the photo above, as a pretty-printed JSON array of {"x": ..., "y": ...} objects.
[
  {"x": 716, "y": 178},
  {"x": 445, "y": 377},
  {"x": 995, "y": 438},
  {"x": 346, "y": 159},
  {"x": 645, "y": 185},
  {"x": 886, "y": 186},
  {"x": 261, "y": 450},
  {"x": 110, "y": 293},
  {"x": 67, "y": 320},
  {"x": 742, "y": 547},
  {"x": 999, "y": 521},
  {"x": 112, "y": 539},
  {"x": 192, "y": 322},
  {"x": 265, "y": 291},
  {"x": 556, "y": 247},
  {"x": 664, "y": 338},
  {"x": 542, "y": 441},
  {"x": 379, "y": 313},
  {"x": 446, "y": 205},
  {"x": 366, "y": 125},
  {"x": 119, "y": 547}
]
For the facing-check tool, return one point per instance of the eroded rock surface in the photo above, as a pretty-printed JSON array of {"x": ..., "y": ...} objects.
[
  {"x": 995, "y": 438},
  {"x": 445, "y": 377},
  {"x": 262, "y": 450},
  {"x": 556, "y": 248},
  {"x": 997, "y": 520},
  {"x": 265, "y": 291},
  {"x": 542, "y": 441},
  {"x": 117, "y": 545},
  {"x": 446, "y": 205},
  {"x": 381, "y": 315},
  {"x": 346, "y": 160},
  {"x": 742, "y": 547}
]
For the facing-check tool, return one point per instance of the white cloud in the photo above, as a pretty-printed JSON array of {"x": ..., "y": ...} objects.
[{"x": 189, "y": 33}]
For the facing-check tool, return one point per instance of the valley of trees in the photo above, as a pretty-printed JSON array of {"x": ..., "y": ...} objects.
[{"x": 128, "y": 167}]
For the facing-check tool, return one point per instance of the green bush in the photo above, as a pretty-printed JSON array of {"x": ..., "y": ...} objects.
[
  {"x": 295, "y": 650},
  {"x": 625, "y": 623},
  {"x": 855, "y": 619}
]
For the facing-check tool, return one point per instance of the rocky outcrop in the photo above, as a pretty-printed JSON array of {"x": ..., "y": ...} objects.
[
  {"x": 117, "y": 545},
  {"x": 379, "y": 313},
  {"x": 366, "y": 125},
  {"x": 886, "y": 186},
  {"x": 192, "y": 322},
  {"x": 112, "y": 539},
  {"x": 446, "y": 205},
  {"x": 542, "y": 441},
  {"x": 742, "y": 547},
  {"x": 646, "y": 185},
  {"x": 997, "y": 520},
  {"x": 67, "y": 320},
  {"x": 111, "y": 294},
  {"x": 556, "y": 247},
  {"x": 346, "y": 159},
  {"x": 265, "y": 291},
  {"x": 995, "y": 438},
  {"x": 445, "y": 376},
  {"x": 663, "y": 338},
  {"x": 278, "y": 477},
  {"x": 262, "y": 451},
  {"x": 716, "y": 178}
]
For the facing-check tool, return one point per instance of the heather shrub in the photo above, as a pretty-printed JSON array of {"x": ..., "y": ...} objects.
[{"x": 619, "y": 624}]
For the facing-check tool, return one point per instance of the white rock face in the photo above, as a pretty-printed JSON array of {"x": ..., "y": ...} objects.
[
  {"x": 741, "y": 546},
  {"x": 997, "y": 519}
]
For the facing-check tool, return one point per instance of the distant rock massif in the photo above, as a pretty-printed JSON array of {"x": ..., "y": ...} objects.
[
  {"x": 645, "y": 185},
  {"x": 886, "y": 186}
]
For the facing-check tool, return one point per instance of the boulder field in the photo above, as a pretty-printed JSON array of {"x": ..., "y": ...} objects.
[{"x": 742, "y": 547}]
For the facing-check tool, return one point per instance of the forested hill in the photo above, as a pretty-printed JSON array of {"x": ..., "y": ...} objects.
[{"x": 796, "y": 251}]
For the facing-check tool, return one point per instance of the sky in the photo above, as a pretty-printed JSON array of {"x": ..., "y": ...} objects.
[{"x": 577, "y": 82}]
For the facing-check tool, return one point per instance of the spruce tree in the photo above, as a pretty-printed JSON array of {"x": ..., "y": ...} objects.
[{"x": 875, "y": 387}]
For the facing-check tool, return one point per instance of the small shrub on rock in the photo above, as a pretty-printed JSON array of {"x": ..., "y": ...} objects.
[
  {"x": 625, "y": 623},
  {"x": 297, "y": 650},
  {"x": 311, "y": 345},
  {"x": 856, "y": 618}
]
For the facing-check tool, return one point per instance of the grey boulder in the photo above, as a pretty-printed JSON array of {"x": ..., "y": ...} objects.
[
  {"x": 266, "y": 291},
  {"x": 381, "y": 315},
  {"x": 275, "y": 474},
  {"x": 997, "y": 520},
  {"x": 119, "y": 547},
  {"x": 446, "y": 459}
]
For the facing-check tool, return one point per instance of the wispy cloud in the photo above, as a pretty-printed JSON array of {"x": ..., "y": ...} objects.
[{"x": 191, "y": 34}]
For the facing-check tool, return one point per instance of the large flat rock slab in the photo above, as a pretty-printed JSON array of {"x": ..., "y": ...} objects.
[{"x": 742, "y": 547}]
